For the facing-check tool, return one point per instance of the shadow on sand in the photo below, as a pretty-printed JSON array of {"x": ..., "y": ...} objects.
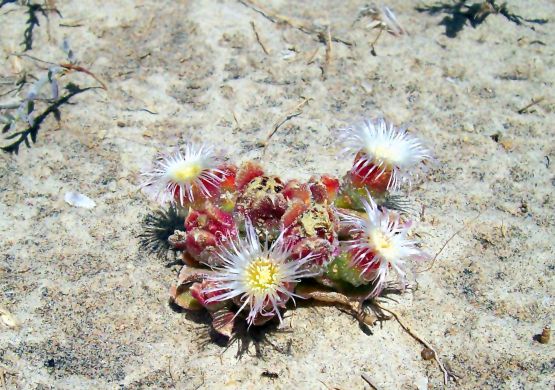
[{"x": 458, "y": 13}]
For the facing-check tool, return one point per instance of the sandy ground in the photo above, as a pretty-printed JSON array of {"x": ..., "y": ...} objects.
[{"x": 93, "y": 308}]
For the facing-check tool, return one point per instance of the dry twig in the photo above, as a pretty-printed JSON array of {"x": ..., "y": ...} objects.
[
  {"x": 276, "y": 18},
  {"x": 3, "y": 372},
  {"x": 3, "y": 378},
  {"x": 447, "y": 374},
  {"x": 258, "y": 39},
  {"x": 202, "y": 383},
  {"x": 372, "y": 45},
  {"x": 78, "y": 68},
  {"x": 367, "y": 380},
  {"x": 296, "y": 111},
  {"x": 351, "y": 304},
  {"x": 531, "y": 104},
  {"x": 32, "y": 57},
  {"x": 235, "y": 119}
]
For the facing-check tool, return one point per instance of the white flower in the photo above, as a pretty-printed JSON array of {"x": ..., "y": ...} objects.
[
  {"x": 383, "y": 148},
  {"x": 380, "y": 243},
  {"x": 174, "y": 176},
  {"x": 261, "y": 277}
]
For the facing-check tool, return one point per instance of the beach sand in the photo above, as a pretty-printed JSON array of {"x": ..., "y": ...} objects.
[{"x": 92, "y": 308}]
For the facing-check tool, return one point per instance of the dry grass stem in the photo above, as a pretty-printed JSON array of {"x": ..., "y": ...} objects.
[
  {"x": 281, "y": 19},
  {"x": 447, "y": 374},
  {"x": 258, "y": 39},
  {"x": 296, "y": 111}
]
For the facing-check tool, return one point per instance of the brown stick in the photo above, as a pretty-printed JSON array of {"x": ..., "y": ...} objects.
[
  {"x": 78, "y": 68},
  {"x": 3, "y": 378},
  {"x": 170, "y": 370},
  {"x": 3, "y": 372},
  {"x": 258, "y": 39},
  {"x": 32, "y": 57},
  {"x": 367, "y": 380},
  {"x": 446, "y": 373}
]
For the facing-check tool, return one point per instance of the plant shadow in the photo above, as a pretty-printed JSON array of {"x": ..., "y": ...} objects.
[
  {"x": 458, "y": 13},
  {"x": 244, "y": 337}
]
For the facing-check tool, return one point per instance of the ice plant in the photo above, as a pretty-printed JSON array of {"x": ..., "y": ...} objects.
[
  {"x": 206, "y": 230},
  {"x": 258, "y": 277},
  {"x": 385, "y": 154},
  {"x": 380, "y": 242},
  {"x": 250, "y": 241},
  {"x": 260, "y": 197},
  {"x": 309, "y": 223},
  {"x": 188, "y": 173}
]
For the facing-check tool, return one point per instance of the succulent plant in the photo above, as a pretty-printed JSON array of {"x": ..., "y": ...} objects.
[{"x": 252, "y": 242}]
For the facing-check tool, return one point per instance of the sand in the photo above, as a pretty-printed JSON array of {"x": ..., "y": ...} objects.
[{"x": 92, "y": 308}]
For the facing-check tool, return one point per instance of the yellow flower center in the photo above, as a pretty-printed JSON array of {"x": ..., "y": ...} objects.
[
  {"x": 386, "y": 154},
  {"x": 185, "y": 172},
  {"x": 382, "y": 245},
  {"x": 262, "y": 276}
]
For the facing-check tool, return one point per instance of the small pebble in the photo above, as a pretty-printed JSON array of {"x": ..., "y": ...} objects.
[
  {"x": 120, "y": 124},
  {"x": 469, "y": 127},
  {"x": 79, "y": 200},
  {"x": 8, "y": 318},
  {"x": 427, "y": 354},
  {"x": 112, "y": 186},
  {"x": 545, "y": 336}
]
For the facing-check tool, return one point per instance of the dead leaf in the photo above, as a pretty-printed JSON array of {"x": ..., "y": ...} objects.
[{"x": 351, "y": 303}]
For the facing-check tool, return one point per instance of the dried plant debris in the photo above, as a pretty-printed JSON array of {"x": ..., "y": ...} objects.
[
  {"x": 381, "y": 18},
  {"x": 460, "y": 12},
  {"x": 30, "y": 133},
  {"x": 317, "y": 31},
  {"x": 23, "y": 110}
]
